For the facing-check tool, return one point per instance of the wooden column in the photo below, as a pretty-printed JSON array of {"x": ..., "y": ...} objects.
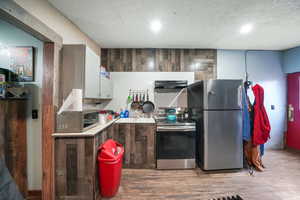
[{"x": 48, "y": 122}]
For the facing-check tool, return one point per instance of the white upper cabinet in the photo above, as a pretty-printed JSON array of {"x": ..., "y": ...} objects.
[{"x": 92, "y": 74}]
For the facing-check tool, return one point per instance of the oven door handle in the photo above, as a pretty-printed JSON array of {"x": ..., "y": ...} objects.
[{"x": 168, "y": 129}]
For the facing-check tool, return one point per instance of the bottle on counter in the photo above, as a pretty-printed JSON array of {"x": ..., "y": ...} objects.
[
  {"x": 122, "y": 114},
  {"x": 126, "y": 113}
]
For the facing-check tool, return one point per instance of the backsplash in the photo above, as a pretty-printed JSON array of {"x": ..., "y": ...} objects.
[
  {"x": 201, "y": 61},
  {"x": 123, "y": 81},
  {"x": 171, "y": 99}
]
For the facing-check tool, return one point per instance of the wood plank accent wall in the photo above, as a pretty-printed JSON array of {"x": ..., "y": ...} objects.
[
  {"x": 161, "y": 60},
  {"x": 13, "y": 136}
]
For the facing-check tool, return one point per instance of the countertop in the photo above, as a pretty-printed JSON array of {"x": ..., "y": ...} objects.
[
  {"x": 89, "y": 133},
  {"x": 95, "y": 130},
  {"x": 136, "y": 120},
  {"x": 13, "y": 98}
]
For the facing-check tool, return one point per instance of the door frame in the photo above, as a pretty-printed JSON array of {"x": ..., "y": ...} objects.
[
  {"x": 16, "y": 15},
  {"x": 295, "y": 108}
]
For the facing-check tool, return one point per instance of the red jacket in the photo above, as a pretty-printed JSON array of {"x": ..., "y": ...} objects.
[{"x": 262, "y": 128}]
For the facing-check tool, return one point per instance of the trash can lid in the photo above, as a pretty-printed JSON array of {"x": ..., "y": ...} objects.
[{"x": 110, "y": 150}]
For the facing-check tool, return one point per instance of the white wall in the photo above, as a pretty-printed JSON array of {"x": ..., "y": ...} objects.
[
  {"x": 123, "y": 81},
  {"x": 49, "y": 15},
  {"x": 12, "y": 36},
  {"x": 264, "y": 68}
]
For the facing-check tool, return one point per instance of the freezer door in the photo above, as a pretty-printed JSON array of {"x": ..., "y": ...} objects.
[
  {"x": 222, "y": 94},
  {"x": 223, "y": 146}
]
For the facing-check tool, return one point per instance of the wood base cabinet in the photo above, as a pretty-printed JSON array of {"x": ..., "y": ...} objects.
[
  {"x": 76, "y": 170},
  {"x": 139, "y": 143}
]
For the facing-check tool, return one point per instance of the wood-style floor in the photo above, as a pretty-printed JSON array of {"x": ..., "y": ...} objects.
[{"x": 280, "y": 181}]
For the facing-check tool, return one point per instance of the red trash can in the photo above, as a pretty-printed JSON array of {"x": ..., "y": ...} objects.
[{"x": 110, "y": 156}]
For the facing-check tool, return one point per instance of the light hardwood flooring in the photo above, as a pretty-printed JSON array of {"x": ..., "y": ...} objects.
[{"x": 280, "y": 181}]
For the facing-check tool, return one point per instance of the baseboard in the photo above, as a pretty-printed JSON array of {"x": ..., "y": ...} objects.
[
  {"x": 292, "y": 149},
  {"x": 36, "y": 194}
]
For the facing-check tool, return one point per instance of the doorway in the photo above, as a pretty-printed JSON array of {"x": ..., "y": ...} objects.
[
  {"x": 52, "y": 43},
  {"x": 293, "y": 126}
]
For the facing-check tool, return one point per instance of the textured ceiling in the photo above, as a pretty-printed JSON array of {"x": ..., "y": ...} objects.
[{"x": 187, "y": 23}]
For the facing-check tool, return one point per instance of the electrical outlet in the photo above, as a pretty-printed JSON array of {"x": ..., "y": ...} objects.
[
  {"x": 35, "y": 114},
  {"x": 272, "y": 107}
]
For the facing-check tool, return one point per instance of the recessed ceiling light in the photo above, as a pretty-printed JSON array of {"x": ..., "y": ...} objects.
[
  {"x": 155, "y": 26},
  {"x": 247, "y": 28}
]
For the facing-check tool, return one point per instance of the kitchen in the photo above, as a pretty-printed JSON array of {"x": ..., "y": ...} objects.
[{"x": 92, "y": 90}]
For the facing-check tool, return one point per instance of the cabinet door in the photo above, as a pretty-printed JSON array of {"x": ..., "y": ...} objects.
[
  {"x": 144, "y": 146},
  {"x": 92, "y": 74}
]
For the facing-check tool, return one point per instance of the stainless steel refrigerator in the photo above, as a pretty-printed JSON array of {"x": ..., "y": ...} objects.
[{"x": 216, "y": 106}]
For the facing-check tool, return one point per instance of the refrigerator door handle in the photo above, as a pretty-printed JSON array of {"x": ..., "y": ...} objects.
[
  {"x": 211, "y": 92},
  {"x": 239, "y": 96}
]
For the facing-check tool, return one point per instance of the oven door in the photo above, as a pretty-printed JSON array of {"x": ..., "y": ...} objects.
[{"x": 175, "y": 147}]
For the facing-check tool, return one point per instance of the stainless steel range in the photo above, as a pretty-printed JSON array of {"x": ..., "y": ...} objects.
[{"x": 175, "y": 144}]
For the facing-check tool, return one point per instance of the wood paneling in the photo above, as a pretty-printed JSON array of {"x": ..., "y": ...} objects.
[
  {"x": 75, "y": 168},
  {"x": 34, "y": 195},
  {"x": 13, "y": 134},
  {"x": 139, "y": 144},
  {"x": 99, "y": 139},
  {"x": 48, "y": 120},
  {"x": 161, "y": 60}
]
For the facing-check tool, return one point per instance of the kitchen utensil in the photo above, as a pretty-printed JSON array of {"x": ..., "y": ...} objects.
[
  {"x": 141, "y": 101},
  {"x": 135, "y": 104},
  {"x": 171, "y": 114},
  {"x": 129, "y": 98},
  {"x": 141, "y": 98},
  {"x": 148, "y": 106},
  {"x": 144, "y": 96}
]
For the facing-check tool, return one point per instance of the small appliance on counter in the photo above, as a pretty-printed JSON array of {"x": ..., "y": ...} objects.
[
  {"x": 77, "y": 121},
  {"x": 216, "y": 106}
]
